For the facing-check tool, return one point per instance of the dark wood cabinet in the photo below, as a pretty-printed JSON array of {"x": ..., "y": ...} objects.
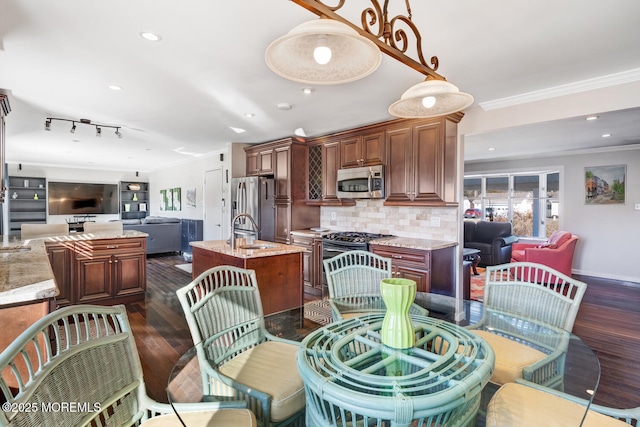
[
  {"x": 330, "y": 162},
  {"x": 365, "y": 149},
  {"x": 289, "y": 166},
  {"x": 432, "y": 270},
  {"x": 60, "y": 259},
  {"x": 311, "y": 263},
  {"x": 421, "y": 163},
  {"x": 260, "y": 162},
  {"x": 109, "y": 271}
]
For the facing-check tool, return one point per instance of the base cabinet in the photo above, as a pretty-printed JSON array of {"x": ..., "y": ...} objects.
[
  {"x": 433, "y": 270},
  {"x": 111, "y": 271},
  {"x": 311, "y": 263}
]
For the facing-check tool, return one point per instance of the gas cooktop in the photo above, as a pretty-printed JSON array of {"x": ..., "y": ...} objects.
[{"x": 353, "y": 236}]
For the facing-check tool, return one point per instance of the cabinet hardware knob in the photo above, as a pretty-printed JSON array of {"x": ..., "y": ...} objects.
[
  {"x": 112, "y": 246},
  {"x": 396, "y": 256}
]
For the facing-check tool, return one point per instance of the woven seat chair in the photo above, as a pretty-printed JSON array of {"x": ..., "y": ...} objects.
[
  {"x": 239, "y": 359},
  {"x": 527, "y": 321},
  {"x": 86, "y": 356},
  {"x": 526, "y": 404},
  {"x": 353, "y": 279}
]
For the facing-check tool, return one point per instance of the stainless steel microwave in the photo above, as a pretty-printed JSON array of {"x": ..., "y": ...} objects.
[{"x": 361, "y": 183}]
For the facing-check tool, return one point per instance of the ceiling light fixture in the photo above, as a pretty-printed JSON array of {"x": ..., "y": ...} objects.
[
  {"x": 323, "y": 51},
  {"x": 150, "y": 36},
  {"x": 284, "y": 106},
  {"x": 591, "y": 118},
  {"x": 352, "y": 56},
  {"x": 307, "y": 90},
  {"x": 249, "y": 115},
  {"x": 237, "y": 130},
  {"x": 47, "y": 125},
  {"x": 115, "y": 87},
  {"x": 606, "y": 135},
  {"x": 299, "y": 132}
]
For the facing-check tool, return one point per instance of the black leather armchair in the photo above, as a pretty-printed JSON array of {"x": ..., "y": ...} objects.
[{"x": 492, "y": 239}]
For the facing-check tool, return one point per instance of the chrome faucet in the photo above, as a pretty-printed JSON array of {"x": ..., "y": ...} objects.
[{"x": 232, "y": 238}]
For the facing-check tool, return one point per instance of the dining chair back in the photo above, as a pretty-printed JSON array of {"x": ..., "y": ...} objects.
[
  {"x": 528, "y": 322},
  {"x": 353, "y": 280},
  {"x": 34, "y": 231},
  {"x": 83, "y": 368},
  {"x": 103, "y": 227},
  {"x": 238, "y": 357}
]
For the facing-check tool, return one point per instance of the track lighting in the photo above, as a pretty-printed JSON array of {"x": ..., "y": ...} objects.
[{"x": 47, "y": 125}]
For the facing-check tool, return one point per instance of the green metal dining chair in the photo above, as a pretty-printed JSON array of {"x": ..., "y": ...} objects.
[
  {"x": 525, "y": 404},
  {"x": 239, "y": 359},
  {"x": 353, "y": 280},
  {"x": 79, "y": 366},
  {"x": 527, "y": 321}
]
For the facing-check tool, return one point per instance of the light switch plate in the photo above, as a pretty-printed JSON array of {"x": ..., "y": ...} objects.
[
  {"x": 435, "y": 221},
  {"x": 638, "y": 206},
  {"x": 333, "y": 215}
]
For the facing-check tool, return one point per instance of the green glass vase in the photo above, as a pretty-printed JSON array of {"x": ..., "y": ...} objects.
[{"x": 397, "y": 328}]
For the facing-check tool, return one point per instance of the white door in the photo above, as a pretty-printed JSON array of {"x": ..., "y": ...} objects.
[{"x": 213, "y": 205}]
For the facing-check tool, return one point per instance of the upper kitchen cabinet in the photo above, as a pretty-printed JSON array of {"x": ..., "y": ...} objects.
[
  {"x": 259, "y": 161},
  {"x": 421, "y": 162},
  {"x": 367, "y": 149},
  {"x": 324, "y": 162}
]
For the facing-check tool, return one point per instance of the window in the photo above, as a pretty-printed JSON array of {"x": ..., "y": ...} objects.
[{"x": 530, "y": 201}]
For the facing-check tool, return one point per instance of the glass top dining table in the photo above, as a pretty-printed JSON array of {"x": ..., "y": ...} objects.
[{"x": 581, "y": 370}]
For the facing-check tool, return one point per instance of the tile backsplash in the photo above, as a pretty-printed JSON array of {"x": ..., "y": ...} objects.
[{"x": 437, "y": 223}]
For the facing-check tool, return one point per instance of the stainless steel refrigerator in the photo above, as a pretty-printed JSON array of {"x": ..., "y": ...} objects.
[{"x": 254, "y": 195}]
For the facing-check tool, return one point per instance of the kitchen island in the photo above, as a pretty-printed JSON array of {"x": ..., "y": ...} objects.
[{"x": 278, "y": 268}]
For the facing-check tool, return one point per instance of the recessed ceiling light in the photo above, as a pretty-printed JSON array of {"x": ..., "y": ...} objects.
[
  {"x": 237, "y": 130},
  {"x": 284, "y": 106},
  {"x": 249, "y": 115},
  {"x": 606, "y": 135},
  {"x": 590, "y": 118},
  {"x": 300, "y": 132},
  {"x": 150, "y": 36},
  {"x": 115, "y": 87},
  {"x": 492, "y": 149},
  {"x": 307, "y": 90}
]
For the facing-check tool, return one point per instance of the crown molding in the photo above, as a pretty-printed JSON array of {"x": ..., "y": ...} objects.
[{"x": 562, "y": 90}]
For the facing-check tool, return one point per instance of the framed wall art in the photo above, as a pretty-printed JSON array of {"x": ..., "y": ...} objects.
[{"x": 605, "y": 185}]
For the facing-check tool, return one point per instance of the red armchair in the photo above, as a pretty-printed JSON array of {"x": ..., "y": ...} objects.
[{"x": 556, "y": 253}]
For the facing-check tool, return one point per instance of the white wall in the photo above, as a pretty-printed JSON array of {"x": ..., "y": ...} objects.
[
  {"x": 608, "y": 234},
  {"x": 186, "y": 175}
]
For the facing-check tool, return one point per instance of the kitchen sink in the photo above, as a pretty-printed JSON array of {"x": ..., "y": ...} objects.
[{"x": 257, "y": 246}]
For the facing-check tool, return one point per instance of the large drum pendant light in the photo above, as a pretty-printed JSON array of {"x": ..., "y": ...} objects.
[{"x": 323, "y": 51}]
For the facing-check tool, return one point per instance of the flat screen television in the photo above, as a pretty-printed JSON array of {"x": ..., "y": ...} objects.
[{"x": 74, "y": 198}]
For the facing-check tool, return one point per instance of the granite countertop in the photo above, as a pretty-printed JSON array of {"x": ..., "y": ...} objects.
[
  {"x": 413, "y": 243},
  {"x": 25, "y": 271},
  {"x": 270, "y": 249}
]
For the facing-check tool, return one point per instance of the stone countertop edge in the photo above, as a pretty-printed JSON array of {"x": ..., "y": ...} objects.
[
  {"x": 26, "y": 276},
  {"x": 221, "y": 246},
  {"x": 413, "y": 243}
]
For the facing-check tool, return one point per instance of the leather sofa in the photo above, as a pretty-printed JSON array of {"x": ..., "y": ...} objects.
[
  {"x": 492, "y": 239},
  {"x": 165, "y": 234}
]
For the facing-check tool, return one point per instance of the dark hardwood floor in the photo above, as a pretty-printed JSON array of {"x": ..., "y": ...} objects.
[{"x": 608, "y": 320}]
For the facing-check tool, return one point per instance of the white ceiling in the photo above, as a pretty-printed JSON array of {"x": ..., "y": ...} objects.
[{"x": 181, "y": 95}]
